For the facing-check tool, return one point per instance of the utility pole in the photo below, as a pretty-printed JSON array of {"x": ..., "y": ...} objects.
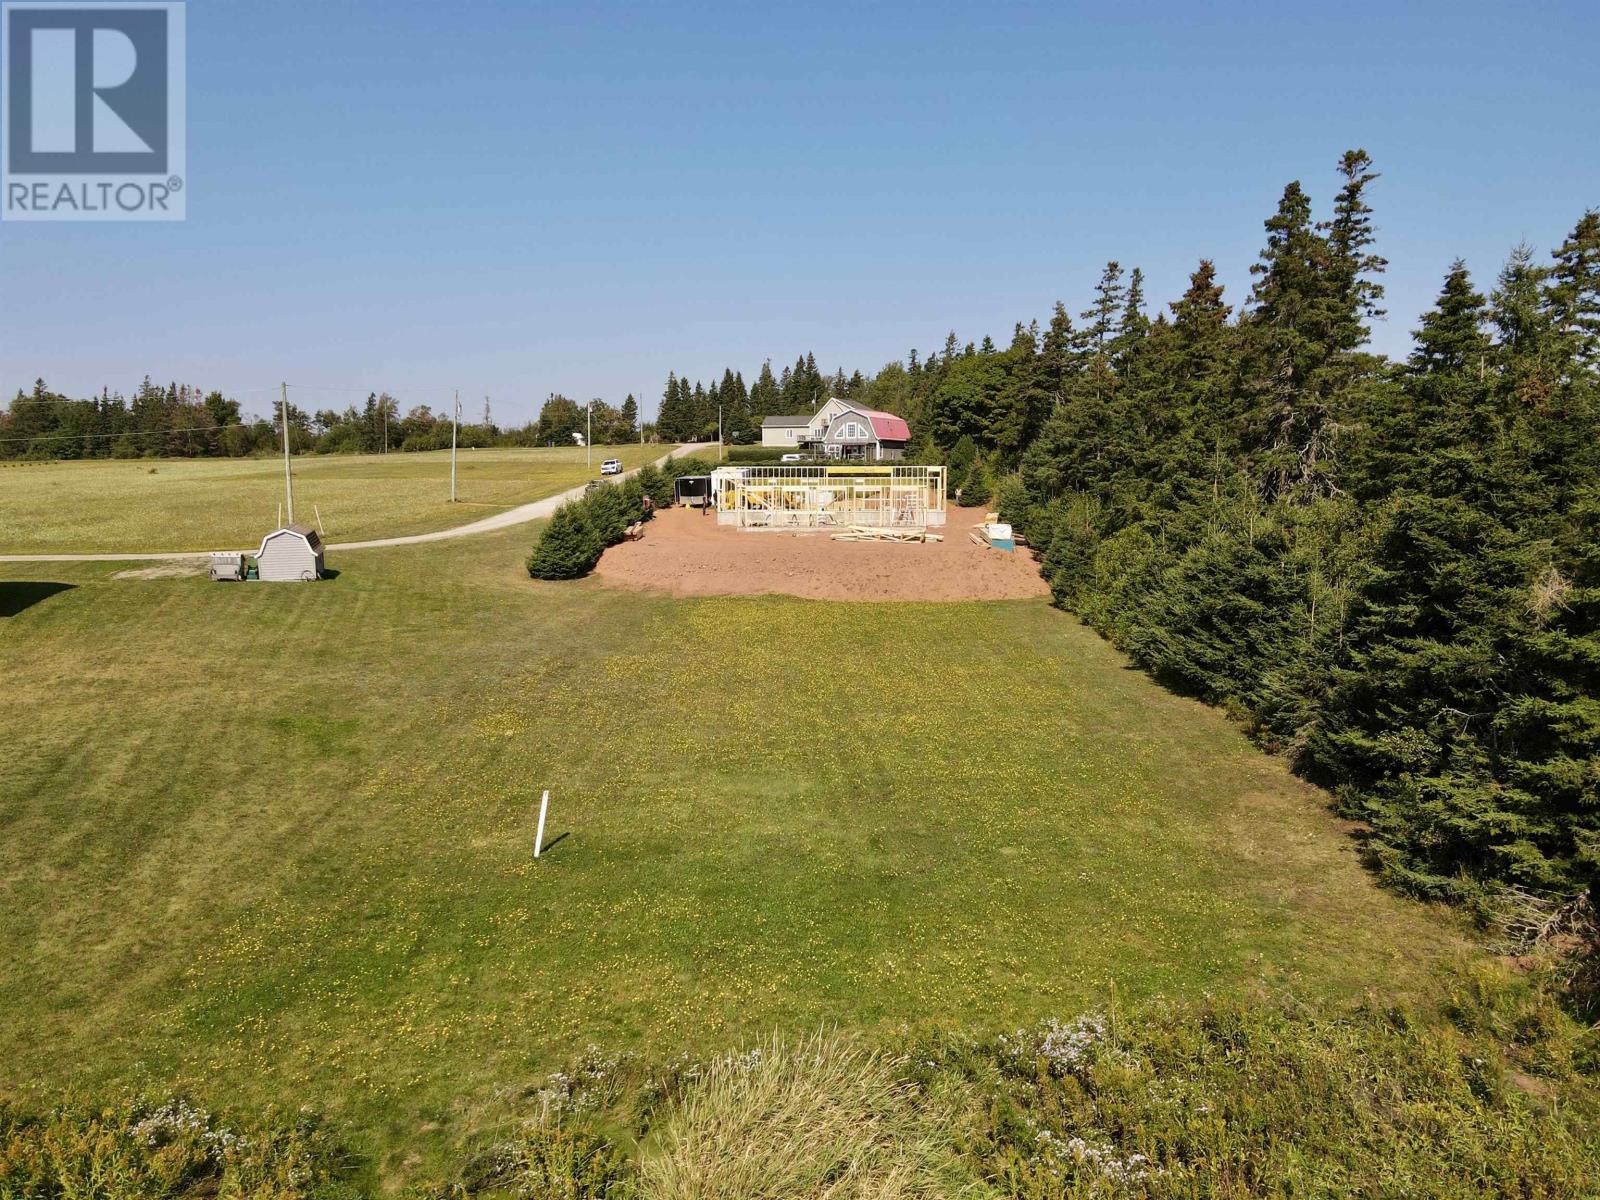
[
  {"x": 588, "y": 437},
  {"x": 719, "y": 432},
  {"x": 288, "y": 476},
  {"x": 487, "y": 423},
  {"x": 383, "y": 403},
  {"x": 455, "y": 418}
]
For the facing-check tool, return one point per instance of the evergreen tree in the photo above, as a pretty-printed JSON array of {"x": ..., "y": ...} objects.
[
  {"x": 1310, "y": 301},
  {"x": 672, "y": 422},
  {"x": 766, "y": 398},
  {"x": 1132, "y": 324},
  {"x": 1060, "y": 362},
  {"x": 569, "y": 546},
  {"x": 736, "y": 422},
  {"x": 1350, "y": 238},
  {"x": 703, "y": 421},
  {"x": 1101, "y": 317},
  {"x": 1574, "y": 293}
]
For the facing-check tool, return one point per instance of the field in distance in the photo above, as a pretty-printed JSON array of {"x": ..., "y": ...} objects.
[{"x": 131, "y": 505}]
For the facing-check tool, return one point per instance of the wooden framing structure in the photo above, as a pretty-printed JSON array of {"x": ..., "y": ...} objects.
[{"x": 829, "y": 497}]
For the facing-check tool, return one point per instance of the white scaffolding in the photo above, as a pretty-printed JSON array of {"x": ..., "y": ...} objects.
[{"x": 832, "y": 497}]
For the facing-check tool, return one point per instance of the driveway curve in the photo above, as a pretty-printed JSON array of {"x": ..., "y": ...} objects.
[{"x": 536, "y": 510}]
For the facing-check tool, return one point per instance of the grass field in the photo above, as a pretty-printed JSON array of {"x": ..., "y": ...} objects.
[
  {"x": 272, "y": 844},
  {"x": 218, "y": 504}
]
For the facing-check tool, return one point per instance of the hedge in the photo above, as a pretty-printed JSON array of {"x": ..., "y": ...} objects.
[{"x": 580, "y": 530}]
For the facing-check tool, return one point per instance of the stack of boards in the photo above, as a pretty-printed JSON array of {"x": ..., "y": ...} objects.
[{"x": 879, "y": 533}]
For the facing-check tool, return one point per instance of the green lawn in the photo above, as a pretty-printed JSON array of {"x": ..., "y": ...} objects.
[
  {"x": 272, "y": 844},
  {"x": 219, "y": 504}
]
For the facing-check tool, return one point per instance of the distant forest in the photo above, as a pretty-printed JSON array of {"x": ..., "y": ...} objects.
[
  {"x": 1388, "y": 570},
  {"x": 179, "y": 421}
]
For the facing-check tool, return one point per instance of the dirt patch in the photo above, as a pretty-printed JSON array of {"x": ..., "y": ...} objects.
[
  {"x": 689, "y": 554},
  {"x": 169, "y": 570}
]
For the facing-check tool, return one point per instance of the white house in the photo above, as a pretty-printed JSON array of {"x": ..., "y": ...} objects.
[{"x": 840, "y": 429}]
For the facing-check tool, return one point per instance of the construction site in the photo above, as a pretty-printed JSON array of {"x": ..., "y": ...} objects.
[
  {"x": 896, "y": 502},
  {"x": 688, "y": 552}
]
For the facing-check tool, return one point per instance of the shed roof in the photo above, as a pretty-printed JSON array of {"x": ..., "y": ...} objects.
[
  {"x": 304, "y": 532},
  {"x": 786, "y": 422}
]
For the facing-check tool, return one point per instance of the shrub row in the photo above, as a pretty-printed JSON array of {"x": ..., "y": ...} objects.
[{"x": 580, "y": 530}]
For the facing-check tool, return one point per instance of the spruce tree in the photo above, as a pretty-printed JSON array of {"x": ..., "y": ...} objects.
[
  {"x": 766, "y": 398},
  {"x": 702, "y": 415},
  {"x": 1101, "y": 316},
  {"x": 1350, "y": 238},
  {"x": 1132, "y": 323},
  {"x": 670, "y": 419},
  {"x": 1307, "y": 313},
  {"x": 569, "y": 547},
  {"x": 1574, "y": 292},
  {"x": 1058, "y": 353}
]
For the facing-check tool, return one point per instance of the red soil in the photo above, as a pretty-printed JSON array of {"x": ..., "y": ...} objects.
[{"x": 689, "y": 554}]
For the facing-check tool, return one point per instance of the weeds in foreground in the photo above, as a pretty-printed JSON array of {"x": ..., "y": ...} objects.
[
  {"x": 1495, "y": 1094},
  {"x": 140, "y": 1150}
]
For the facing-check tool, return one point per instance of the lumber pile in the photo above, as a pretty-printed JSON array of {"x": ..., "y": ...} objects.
[{"x": 881, "y": 533}]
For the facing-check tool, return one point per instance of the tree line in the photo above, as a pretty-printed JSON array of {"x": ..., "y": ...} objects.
[
  {"x": 181, "y": 421},
  {"x": 1390, "y": 570}
]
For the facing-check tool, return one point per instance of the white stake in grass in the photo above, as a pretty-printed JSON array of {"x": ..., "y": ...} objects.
[{"x": 538, "y": 838}]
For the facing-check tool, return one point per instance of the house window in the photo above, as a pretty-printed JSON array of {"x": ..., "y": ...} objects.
[{"x": 852, "y": 429}]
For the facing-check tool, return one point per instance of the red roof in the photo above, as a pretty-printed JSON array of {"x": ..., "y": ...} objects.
[{"x": 887, "y": 427}]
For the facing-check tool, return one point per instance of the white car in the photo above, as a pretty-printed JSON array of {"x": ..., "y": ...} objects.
[
  {"x": 791, "y": 458},
  {"x": 611, "y": 466}
]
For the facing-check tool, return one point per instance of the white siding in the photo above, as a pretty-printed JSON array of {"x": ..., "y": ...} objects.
[{"x": 285, "y": 557}]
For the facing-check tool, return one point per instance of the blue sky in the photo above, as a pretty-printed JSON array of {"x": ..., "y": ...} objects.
[{"x": 520, "y": 198}]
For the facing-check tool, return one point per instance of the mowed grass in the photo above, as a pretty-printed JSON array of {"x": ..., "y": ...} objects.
[
  {"x": 221, "y": 504},
  {"x": 273, "y": 844}
]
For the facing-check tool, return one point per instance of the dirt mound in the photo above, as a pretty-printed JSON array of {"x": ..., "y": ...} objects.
[{"x": 689, "y": 554}]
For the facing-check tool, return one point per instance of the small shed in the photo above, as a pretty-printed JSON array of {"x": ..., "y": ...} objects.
[{"x": 290, "y": 555}]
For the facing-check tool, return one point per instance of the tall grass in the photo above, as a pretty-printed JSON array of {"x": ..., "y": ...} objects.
[{"x": 822, "y": 1119}]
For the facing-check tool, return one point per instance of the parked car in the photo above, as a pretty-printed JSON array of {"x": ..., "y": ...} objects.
[
  {"x": 792, "y": 458},
  {"x": 611, "y": 466}
]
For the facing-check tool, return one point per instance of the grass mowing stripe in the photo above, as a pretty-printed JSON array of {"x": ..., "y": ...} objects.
[{"x": 273, "y": 844}]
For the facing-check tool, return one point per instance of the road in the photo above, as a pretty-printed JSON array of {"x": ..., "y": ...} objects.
[{"x": 538, "y": 510}]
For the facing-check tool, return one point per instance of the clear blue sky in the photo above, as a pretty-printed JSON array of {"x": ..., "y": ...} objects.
[{"x": 521, "y": 198}]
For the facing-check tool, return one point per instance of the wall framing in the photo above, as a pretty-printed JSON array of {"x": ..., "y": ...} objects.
[{"x": 829, "y": 497}]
